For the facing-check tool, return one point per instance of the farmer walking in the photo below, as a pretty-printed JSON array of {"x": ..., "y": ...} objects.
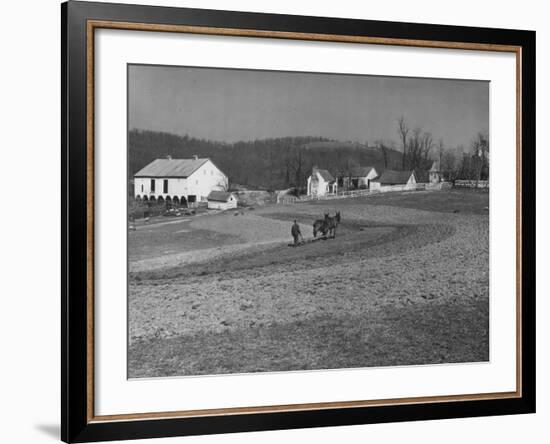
[{"x": 296, "y": 233}]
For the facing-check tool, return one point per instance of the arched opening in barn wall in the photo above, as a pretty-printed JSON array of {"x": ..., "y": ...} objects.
[
  {"x": 183, "y": 201},
  {"x": 176, "y": 200},
  {"x": 160, "y": 200},
  {"x": 138, "y": 198},
  {"x": 168, "y": 199},
  {"x": 152, "y": 199},
  {"x": 145, "y": 199}
]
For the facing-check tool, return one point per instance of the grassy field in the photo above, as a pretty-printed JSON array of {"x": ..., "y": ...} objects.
[{"x": 405, "y": 282}]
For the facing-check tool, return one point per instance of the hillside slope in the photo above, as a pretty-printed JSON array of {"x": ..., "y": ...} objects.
[{"x": 263, "y": 164}]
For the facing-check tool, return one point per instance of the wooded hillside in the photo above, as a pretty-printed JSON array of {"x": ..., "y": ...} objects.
[{"x": 261, "y": 164}]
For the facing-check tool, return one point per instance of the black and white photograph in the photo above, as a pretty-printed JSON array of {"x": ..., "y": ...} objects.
[
  {"x": 290, "y": 221},
  {"x": 264, "y": 222}
]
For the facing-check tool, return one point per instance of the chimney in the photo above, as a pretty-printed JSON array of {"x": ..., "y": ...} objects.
[
  {"x": 169, "y": 157},
  {"x": 195, "y": 157}
]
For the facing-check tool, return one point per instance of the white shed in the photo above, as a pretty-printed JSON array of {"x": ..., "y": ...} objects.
[{"x": 221, "y": 200}]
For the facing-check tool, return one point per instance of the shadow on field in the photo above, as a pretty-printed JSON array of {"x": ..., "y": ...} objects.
[{"x": 410, "y": 335}]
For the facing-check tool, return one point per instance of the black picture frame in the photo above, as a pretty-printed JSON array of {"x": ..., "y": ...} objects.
[{"x": 76, "y": 423}]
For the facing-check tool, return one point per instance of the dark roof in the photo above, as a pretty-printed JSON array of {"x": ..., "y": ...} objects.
[
  {"x": 422, "y": 176},
  {"x": 171, "y": 168},
  {"x": 391, "y": 177},
  {"x": 361, "y": 171},
  {"x": 219, "y": 196},
  {"x": 325, "y": 174}
]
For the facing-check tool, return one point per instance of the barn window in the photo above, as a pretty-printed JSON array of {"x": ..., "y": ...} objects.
[
  {"x": 152, "y": 185},
  {"x": 142, "y": 188},
  {"x": 165, "y": 186}
]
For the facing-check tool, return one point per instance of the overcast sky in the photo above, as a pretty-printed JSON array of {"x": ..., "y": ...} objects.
[{"x": 231, "y": 105}]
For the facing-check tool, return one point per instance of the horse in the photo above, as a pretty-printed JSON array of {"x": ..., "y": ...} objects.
[
  {"x": 332, "y": 223},
  {"x": 320, "y": 225},
  {"x": 327, "y": 225}
]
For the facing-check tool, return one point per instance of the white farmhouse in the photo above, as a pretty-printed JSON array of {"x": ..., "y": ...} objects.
[
  {"x": 221, "y": 200},
  {"x": 321, "y": 183},
  {"x": 181, "y": 181},
  {"x": 358, "y": 177}
]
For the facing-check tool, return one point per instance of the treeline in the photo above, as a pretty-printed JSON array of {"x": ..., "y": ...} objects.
[
  {"x": 270, "y": 164},
  {"x": 474, "y": 162},
  {"x": 420, "y": 150}
]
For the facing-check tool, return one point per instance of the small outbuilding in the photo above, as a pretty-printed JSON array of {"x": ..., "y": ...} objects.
[{"x": 221, "y": 200}]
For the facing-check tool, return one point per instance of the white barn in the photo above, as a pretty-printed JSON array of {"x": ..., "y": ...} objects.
[
  {"x": 391, "y": 180},
  {"x": 321, "y": 183},
  {"x": 221, "y": 200},
  {"x": 180, "y": 181}
]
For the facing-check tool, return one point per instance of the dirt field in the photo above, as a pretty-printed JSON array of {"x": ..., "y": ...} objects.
[{"x": 406, "y": 281}]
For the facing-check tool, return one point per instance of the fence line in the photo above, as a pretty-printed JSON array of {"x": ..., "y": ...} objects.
[
  {"x": 472, "y": 183},
  {"x": 286, "y": 199},
  {"x": 339, "y": 195}
]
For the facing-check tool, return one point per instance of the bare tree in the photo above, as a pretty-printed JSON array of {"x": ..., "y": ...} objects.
[
  {"x": 480, "y": 156},
  {"x": 467, "y": 167},
  {"x": 223, "y": 185},
  {"x": 384, "y": 150},
  {"x": 384, "y": 147},
  {"x": 403, "y": 131},
  {"x": 448, "y": 165},
  {"x": 287, "y": 163},
  {"x": 298, "y": 161},
  {"x": 440, "y": 150},
  {"x": 418, "y": 148},
  {"x": 347, "y": 172},
  {"x": 427, "y": 145},
  {"x": 414, "y": 147}
]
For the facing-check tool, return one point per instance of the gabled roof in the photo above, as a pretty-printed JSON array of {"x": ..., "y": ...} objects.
[
  {"x": 325, "y": 174},
  {"x": 391, "y": 177},
  {"x": 171, "y": 168},
  {"x": 219, "y": 196},
  {"x": 362, "y": 171},
  {"x": 435, "y": 166},
  {"x": 422, "y": 176}
]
